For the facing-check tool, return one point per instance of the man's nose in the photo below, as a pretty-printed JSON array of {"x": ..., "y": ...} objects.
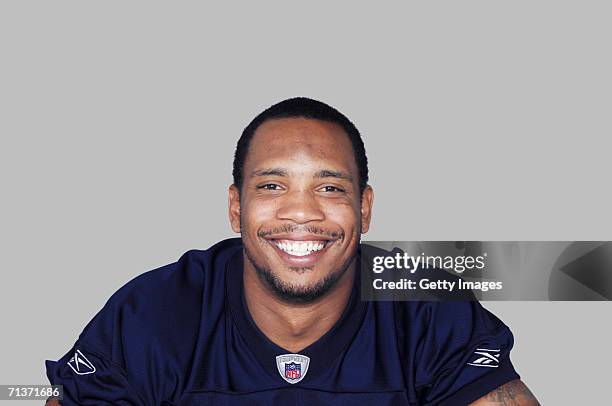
[{"x": 300, "y": 207}]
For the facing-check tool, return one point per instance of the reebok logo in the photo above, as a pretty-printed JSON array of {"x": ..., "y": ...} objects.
[
  {"x": 484, "y": 357},
  {"x": 80, "y": 364}
]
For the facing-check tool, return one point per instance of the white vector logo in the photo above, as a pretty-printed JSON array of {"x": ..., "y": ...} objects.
[
  {"x": 485, "y": 358},
  {"x": 80, "y": 364}
]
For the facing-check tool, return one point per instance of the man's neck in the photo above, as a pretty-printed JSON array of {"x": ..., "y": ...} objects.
[{"x": 295, "y": 326}]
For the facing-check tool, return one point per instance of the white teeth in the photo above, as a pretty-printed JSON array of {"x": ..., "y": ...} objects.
[{"x": 300, "y": 248}]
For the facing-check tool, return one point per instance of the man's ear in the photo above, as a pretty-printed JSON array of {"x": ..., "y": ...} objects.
[
  {"x": 367, "y": 200},
  {"x": 234, "y": 208}
]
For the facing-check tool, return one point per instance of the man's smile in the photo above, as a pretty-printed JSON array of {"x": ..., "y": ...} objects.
[{"x": 300, "y": 250}]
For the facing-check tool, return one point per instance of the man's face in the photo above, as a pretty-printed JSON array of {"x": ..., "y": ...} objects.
[{"x": 300, "y": 210}]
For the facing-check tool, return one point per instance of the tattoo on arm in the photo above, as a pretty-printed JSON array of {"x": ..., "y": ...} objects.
[{"x": 514, "y": 393}]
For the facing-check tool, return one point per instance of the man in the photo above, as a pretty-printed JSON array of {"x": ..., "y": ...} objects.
[{"x": 275, "y": 316}]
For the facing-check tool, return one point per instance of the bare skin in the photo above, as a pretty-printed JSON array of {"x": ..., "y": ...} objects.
[{"x": 514, "y": 393}]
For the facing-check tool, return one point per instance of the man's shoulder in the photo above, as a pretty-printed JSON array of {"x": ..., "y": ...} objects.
[
  {"x": 165, "y": 301},
  {"x": 151, "y": 325},
  {"x": 189, "y": 273}
]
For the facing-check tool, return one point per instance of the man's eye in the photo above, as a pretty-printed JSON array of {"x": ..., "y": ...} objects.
[
  {"x": 331, "y": 189},
  {"x": 269, "y": 186}
]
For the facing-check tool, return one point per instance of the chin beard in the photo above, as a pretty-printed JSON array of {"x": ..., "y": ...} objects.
[{"x": 293, "y": 294}]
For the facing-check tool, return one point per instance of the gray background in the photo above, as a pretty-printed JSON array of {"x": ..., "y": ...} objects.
[{"x": 482, "y": 121}]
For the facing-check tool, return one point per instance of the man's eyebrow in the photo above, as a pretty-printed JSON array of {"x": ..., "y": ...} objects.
[
  {"x": 269, "y": 172},
  {"x": 326, "y": 173}
]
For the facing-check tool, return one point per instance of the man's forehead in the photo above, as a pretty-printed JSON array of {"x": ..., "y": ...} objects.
[{"x": 298, "y": 142}]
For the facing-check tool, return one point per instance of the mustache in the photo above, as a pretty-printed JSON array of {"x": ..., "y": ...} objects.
[{"x": 290, "y": 228}]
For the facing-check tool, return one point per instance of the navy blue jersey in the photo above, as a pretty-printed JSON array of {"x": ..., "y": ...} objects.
[{"x": 182, "y": 335}]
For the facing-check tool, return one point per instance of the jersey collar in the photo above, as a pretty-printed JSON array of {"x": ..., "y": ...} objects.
[{"x": 321, "y": 353}]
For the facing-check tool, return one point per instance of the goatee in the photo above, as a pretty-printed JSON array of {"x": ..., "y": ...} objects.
[{"x": 298, "y": 294}]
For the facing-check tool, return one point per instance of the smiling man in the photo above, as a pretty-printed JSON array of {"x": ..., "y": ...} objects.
[{"x": 275, "y": 317}]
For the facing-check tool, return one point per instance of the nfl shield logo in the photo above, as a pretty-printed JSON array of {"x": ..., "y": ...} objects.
[
  {"x": 293, "y": 370},
  {"x": 292, "y": 367}
]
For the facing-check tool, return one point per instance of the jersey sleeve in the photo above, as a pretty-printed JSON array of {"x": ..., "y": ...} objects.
[
  {"x": 138, "y": 349},
  {"x": 89, "y": 378},
  {"x": 98, "y": 370},
  {"x": 111, "y": 362},
  {"x": 464, "y": 354}
]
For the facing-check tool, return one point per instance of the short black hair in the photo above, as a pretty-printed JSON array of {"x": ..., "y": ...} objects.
[{"x": 305, "y": 108}]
